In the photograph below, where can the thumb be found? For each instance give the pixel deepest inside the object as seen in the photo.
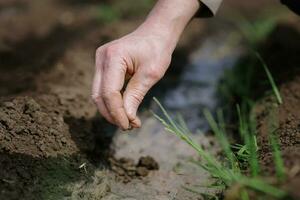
(134, 94)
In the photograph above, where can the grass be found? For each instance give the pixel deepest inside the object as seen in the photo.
(271, 79)
(241, 164)
(248, 151)
(229, 172)
(240, 168)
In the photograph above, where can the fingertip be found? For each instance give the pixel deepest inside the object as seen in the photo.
(136, 122)
(124, 125)
(121, 119)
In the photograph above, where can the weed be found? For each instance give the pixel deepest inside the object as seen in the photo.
(224, 174)
(271, 80)
(247, 133)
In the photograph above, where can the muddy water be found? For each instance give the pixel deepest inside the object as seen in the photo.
(198, 84)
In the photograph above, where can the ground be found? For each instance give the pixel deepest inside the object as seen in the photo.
(54, 145)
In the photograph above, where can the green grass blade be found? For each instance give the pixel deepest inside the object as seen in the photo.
(215, 167)
(262, 186)
(223, 174)
(271, 79)
(254, 161)
(241, 122)
(244, 194)
(232, 158)
(174, 128)
(247, 132)
(222, 138)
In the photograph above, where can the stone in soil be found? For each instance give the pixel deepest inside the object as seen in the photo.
(126, 169)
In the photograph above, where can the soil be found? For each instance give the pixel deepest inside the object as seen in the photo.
(283, 120)
(48, 127)
(126, 169)
(28, 128)
(53, 145)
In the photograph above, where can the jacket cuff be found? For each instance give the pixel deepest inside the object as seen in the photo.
(208, 8)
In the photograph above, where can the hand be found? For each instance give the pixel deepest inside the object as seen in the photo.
(142, 57)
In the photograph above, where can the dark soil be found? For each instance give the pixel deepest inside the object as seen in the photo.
(29, 128)
(287, 129)
(48, 125)
(41, 146)
(37, 150)
(283, 120)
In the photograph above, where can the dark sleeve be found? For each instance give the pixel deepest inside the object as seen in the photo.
(294, 5)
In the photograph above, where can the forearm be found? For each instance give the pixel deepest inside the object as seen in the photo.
(169, 18)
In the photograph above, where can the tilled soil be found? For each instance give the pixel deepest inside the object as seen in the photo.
(29, 128)
(48, 128)
(53, 145)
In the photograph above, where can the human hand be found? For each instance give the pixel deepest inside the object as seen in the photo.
(143, 56)
(140, 56)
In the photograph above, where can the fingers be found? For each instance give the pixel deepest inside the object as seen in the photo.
(135, 92)
(96, 90)
(102, 109)
(109, 79)
(112, 83)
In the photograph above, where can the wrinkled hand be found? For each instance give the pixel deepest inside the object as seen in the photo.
(140, 56)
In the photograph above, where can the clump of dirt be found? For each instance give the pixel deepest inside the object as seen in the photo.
(40, 151)
(43, 146)
(26, 127)
(126, 169)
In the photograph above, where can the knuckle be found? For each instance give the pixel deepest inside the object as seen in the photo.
(99, 51)
(106, 95)
(112, 51)
(154, 73)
